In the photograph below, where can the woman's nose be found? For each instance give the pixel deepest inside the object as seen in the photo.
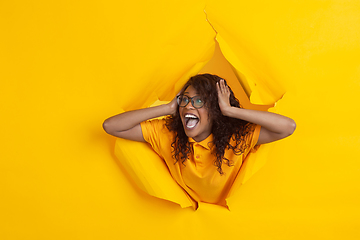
(189, 106)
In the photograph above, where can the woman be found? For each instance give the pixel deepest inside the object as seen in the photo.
(205, 126)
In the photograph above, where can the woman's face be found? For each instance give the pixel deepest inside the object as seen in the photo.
(196, 121)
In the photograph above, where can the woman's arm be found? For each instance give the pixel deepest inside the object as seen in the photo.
(127, 125)
(274, 126)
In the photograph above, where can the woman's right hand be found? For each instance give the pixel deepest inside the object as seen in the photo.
(173, 105)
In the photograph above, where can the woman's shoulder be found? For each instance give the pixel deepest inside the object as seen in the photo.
(245, 132)
(156, 123)
(245, 138)
(156, 127)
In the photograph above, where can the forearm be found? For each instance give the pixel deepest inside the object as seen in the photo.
(127, 120)
(271, 121)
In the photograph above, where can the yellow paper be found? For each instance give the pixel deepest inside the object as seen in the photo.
(66, 66)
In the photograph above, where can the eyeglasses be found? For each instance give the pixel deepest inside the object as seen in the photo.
(184, 100)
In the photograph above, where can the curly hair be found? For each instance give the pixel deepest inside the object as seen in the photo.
(223, 128)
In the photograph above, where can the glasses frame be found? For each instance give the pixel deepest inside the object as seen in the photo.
(191, 100)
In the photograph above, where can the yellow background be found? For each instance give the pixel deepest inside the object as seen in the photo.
(66, 66)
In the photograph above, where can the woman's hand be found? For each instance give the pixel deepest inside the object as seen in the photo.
(173, 105)
(223, 96)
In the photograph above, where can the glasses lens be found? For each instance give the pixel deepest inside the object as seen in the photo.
(198, 102)
(183, 100)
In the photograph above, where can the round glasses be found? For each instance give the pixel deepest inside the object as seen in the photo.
(184, 100)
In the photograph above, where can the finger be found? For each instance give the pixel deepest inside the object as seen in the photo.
(223, 86)
(218, 88)
(226, 87)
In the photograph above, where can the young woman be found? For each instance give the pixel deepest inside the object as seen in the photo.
(205, 137)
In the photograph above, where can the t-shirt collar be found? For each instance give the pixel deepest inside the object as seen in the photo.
(206, 143)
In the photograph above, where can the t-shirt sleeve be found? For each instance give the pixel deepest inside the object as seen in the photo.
(153, 131)
(255, 138)
(249, 141)
(252, 139)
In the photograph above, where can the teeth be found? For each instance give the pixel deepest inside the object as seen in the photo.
(190, 116)
(191, 120)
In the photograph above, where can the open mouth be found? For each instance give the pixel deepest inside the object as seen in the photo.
(191, 120)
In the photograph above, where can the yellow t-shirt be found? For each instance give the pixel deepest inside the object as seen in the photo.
(199, 176)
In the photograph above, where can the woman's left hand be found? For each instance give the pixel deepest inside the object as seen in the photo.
(223, 96)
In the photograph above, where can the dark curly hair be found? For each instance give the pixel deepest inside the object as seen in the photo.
(223, 129)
